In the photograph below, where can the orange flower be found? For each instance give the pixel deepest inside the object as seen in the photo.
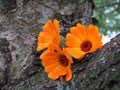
(57, 63)
(83, 40)
(49, 35)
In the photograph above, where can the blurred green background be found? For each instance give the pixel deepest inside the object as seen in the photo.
(107, 12)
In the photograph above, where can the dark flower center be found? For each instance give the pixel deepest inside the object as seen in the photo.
(63, 60)
(86, 46)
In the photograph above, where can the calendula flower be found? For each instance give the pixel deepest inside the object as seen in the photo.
(50, 34)
(57, 62)
(83, 40)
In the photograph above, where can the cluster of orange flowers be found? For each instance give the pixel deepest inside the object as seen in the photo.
(57, 58)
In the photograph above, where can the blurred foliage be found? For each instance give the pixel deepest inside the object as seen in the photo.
(107, 12)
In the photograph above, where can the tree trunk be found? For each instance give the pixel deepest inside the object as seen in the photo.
(20, 67)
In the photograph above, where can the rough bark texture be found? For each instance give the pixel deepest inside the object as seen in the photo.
(20, 67)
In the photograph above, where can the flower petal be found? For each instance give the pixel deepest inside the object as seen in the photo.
(67, 56)
(56, 25)
(51, 67)
(44, 37)
(82, 30)
(72, 41)
(96, 45)
(93, 29)
(49, 60)
(92, 32)
(51, 28)
(44, 53)
(42, 46)
(55, 48)
(43, 41)
(55, 73)
(76, 52)
(77, 33)
(69, 74)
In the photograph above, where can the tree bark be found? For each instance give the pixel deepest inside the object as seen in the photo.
(20, 67)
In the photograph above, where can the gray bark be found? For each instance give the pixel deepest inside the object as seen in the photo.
(20, 67)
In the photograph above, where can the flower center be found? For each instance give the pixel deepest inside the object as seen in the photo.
(86, 46)
(63, 60)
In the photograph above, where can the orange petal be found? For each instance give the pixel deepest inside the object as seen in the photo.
(96, 38)
(51, 67)
(83, 30)
(63, 70)
(44, 37)
(97, 43)
(56, 48)
(67, 55)
(44, 54)
(43, 41)
(93, 29)
(96, 46)
(42, 46)
(49, 60)
(55, 73)
(48, 53)
(92, 32)
(69, 74)
(76, 52)
(72, 41)
(77, 33)
(50, 28)
(56, 25)
(61, 77)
